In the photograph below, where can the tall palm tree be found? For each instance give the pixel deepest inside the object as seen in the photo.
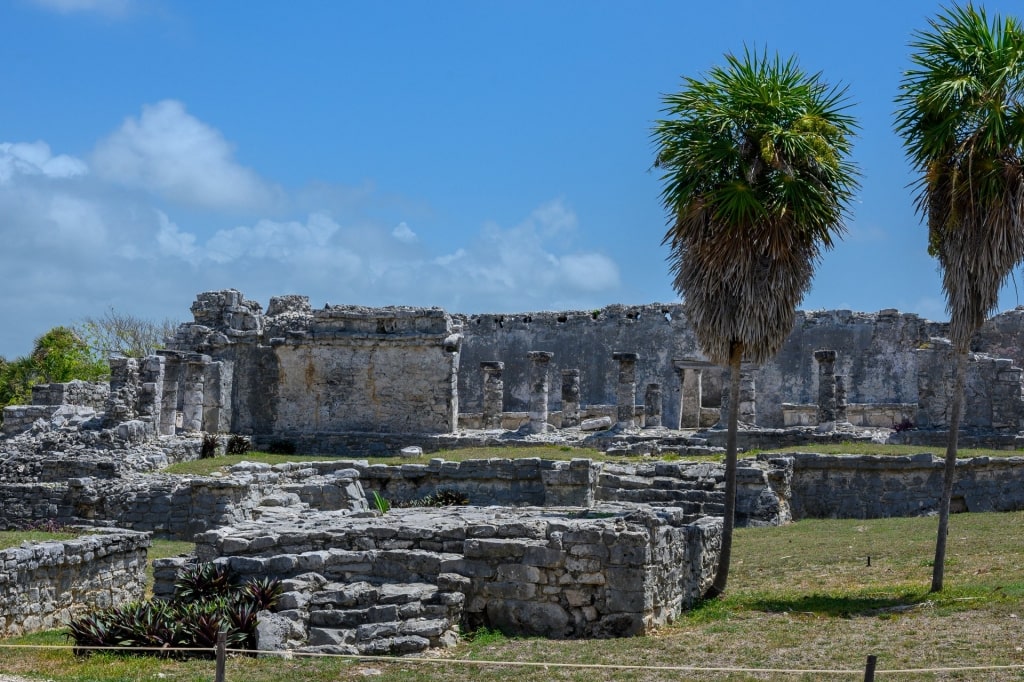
(757, 181)
(961, 116)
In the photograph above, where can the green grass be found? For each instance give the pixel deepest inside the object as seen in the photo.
(205, 467)
(13, 538)
(864, 448)
(801, 596)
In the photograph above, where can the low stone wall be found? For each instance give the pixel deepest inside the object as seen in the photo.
(175, 506)
(697, 488)
(614, 570)
(882, 415)
(762, 495)
(867, 487)
(44, 584)
(62, 404)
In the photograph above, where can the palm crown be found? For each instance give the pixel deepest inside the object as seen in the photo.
(757, 181)
(961, 116)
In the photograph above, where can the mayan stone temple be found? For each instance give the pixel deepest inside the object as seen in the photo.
(556, 548)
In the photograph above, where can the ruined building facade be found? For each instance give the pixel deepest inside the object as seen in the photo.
(295, 372)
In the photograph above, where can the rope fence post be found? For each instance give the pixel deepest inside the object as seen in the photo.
(222, 654)
(869, 671)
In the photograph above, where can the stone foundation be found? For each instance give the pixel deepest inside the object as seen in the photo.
(614, 570)
(868, 487)
(45, 584)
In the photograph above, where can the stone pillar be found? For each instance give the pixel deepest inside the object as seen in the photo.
(151, 394)
(194, 388)
(652, 406)
(570, 398)
(748, 399)
(122, 401)
(625, 394)
(723, 412)
(217, 386)
(841, 404)
(691, 396)
(539, 390)
(826, 388)
(494, 393)
(170, 407)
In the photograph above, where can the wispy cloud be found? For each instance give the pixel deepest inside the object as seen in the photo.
(171, 153)
(152, 217)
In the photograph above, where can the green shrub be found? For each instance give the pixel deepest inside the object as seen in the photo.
(208, 599)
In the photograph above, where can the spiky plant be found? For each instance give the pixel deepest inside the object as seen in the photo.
(961, 116)
(200, 581)
(757, 181)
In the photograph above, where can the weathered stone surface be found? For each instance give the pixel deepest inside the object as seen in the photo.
(44, 584)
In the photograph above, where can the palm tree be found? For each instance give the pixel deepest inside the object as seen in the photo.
(961, 116)
(756, 183)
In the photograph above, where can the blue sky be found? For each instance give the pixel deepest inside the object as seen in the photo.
(479, 156)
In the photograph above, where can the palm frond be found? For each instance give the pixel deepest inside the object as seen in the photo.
(757, 181)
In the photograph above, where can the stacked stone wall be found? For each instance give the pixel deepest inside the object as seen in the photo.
(614, 570)
(762, 496)
(874, 351)
(171, 505)
(867, 487)
(45, 584)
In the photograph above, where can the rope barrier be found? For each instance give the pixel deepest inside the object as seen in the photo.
(392, 660)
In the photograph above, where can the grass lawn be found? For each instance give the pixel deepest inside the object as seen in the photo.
(205, 467)
(801, 596)
(13, 538)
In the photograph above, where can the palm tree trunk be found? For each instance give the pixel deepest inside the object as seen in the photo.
(729, 516)
(956, 410)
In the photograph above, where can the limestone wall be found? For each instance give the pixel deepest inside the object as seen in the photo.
(175, 506)
(875, 352)
(867, 487)
(297, 373)
(762, 495)
(696, 488)
(612, 571)
(44, 584)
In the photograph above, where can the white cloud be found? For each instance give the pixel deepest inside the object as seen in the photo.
(175, 155)
(35, 158)
(79, 238)
(589, 272)
(111, 8)
(403, 234)
(172, 241)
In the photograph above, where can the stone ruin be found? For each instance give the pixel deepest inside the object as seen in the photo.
(561, 549)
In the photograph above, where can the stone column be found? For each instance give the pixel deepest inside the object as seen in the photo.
(151, 394)
(169, 404)
(122, 401)
(192, 398)
(748, 399)
(652, 406)
(723, 412)
(690, 393)
(625, 394)
(826, 388)
(570, 398)
(539, 390)
(841, 404)
(494, 393)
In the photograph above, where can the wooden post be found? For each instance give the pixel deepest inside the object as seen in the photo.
(222, 646)
(869, 671)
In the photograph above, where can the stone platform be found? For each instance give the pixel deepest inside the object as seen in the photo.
(615, 569)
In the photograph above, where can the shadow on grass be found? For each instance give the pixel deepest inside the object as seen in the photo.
(841, 607)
